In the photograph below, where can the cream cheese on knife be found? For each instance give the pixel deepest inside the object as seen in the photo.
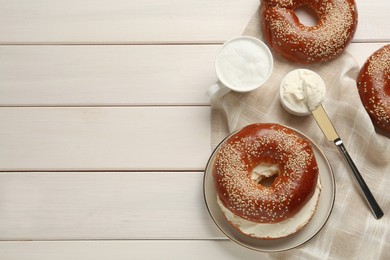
(302, 91)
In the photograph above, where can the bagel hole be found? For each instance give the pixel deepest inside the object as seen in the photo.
(306, 16)
(265, 174)
(268, 181)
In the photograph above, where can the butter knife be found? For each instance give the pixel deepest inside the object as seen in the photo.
(329, 131)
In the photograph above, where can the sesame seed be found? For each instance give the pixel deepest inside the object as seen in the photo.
(237, 158)
(374, 87)
(308, 44)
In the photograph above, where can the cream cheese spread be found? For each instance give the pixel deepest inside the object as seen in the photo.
(275, 230)
(302, 91)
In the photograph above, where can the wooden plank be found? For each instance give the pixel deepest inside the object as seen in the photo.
(114, 75)
(98, 138)
(100, 205)
(373, 21)
(106, 75)
(101, 21)
(124, 250)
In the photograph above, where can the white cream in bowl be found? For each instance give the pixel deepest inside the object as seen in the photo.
(302, 91)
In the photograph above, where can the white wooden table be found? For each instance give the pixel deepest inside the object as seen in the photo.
(104, 124)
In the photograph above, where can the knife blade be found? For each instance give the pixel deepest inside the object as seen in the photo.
(330, 133)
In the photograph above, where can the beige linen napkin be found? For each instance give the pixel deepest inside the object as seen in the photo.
(351, 231)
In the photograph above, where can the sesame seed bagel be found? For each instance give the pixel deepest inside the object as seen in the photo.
(373, 84)
(255, 153)
(337, 22)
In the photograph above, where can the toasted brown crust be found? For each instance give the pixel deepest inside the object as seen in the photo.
(373, 85)
(337, 22)
(265, 143)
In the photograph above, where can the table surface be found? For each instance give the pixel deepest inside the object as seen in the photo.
(105, 124)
